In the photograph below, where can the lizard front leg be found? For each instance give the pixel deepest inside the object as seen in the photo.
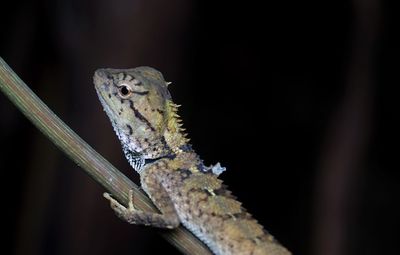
(167, 219)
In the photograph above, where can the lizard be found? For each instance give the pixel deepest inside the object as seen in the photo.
(146, 121)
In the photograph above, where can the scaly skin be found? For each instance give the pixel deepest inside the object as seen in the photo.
(145, 119)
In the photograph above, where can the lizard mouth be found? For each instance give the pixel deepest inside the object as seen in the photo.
(110, 113)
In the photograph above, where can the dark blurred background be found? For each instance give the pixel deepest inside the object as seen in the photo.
(297, 99)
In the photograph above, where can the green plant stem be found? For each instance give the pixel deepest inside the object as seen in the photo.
(85, 156)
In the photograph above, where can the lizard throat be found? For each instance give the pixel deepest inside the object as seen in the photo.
(138, 162)
(135, 159)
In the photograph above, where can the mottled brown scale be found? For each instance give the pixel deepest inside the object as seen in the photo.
(202, 181)
(219, 218)
(172, 174)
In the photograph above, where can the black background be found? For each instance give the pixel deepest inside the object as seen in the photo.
(297, 99)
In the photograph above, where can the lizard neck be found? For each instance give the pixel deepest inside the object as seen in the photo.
(171, 144)
(185, 159)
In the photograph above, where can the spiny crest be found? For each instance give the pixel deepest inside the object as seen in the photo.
(174, 123)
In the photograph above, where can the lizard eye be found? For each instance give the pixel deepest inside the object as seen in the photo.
(124, 91)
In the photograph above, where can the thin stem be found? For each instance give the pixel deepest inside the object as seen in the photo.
(85, 156)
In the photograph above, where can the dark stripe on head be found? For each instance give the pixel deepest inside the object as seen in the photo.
(140, 116)
(140, 93)
(130, 129)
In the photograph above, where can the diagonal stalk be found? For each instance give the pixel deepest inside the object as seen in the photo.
(85, 156)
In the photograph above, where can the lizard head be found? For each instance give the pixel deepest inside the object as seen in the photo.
(140, 109)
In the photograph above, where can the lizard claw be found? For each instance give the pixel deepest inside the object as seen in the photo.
(120, 209)
(107, 196)
(115, 205)
(129, 213)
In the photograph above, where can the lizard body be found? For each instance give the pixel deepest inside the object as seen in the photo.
(185, 191)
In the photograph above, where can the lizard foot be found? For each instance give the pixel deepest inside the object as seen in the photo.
(122, 211)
